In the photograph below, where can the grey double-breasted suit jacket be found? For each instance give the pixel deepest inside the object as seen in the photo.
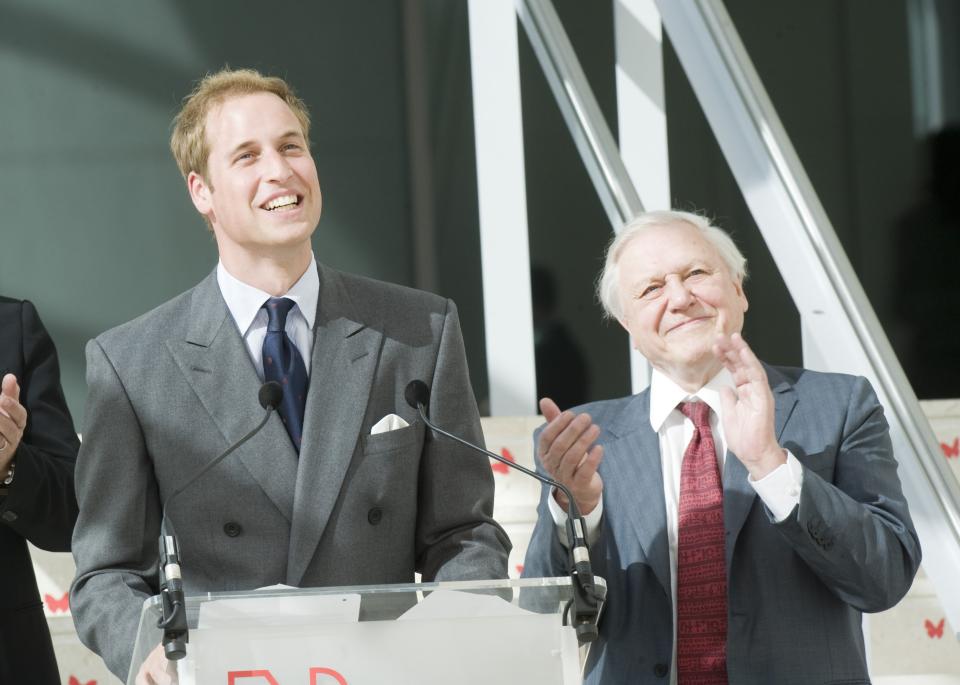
(796, 589)
(172, 389)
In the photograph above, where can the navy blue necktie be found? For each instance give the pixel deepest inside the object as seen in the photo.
(282, 363)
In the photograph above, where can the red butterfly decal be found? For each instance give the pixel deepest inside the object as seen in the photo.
(934, 631)
(74, 681)
(951, 450)
(498, 467)
(55, 605)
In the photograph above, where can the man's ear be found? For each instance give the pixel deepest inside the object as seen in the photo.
(738, 284)
(623, 322)
(200, 192)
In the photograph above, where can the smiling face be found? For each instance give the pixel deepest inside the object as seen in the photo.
(677, 294)
(261, 193)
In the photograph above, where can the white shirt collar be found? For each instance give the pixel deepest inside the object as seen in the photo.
(244, 301)
(665, 395)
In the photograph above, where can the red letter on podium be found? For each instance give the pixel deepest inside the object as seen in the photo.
(233, 676)
(316, 672)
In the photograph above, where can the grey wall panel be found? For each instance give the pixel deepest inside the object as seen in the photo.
(96, 224)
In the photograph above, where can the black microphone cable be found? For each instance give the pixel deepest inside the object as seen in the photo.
(587, 595)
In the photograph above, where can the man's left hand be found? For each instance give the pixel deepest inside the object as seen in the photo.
(13, 419)
(748, 413)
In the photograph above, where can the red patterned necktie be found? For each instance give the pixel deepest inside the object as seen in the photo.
(701, 565)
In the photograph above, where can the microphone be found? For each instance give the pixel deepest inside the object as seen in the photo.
(173, 621)
(587, 595)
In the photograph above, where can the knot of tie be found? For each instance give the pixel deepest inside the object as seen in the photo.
(277, 310)
(698, 412)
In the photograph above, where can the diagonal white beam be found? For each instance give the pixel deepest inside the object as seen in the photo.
(834, 309)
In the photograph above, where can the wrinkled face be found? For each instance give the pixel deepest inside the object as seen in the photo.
(677, 295)
(262, 194)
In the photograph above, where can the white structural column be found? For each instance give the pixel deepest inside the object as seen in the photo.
(641, 118)
(501, 189)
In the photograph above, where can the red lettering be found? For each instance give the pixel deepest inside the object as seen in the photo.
(316, 672)
(233, 676)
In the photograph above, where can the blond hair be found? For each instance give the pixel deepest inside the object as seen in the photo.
(189, 143)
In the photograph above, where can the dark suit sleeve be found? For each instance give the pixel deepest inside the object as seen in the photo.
(852, 526)
(41, 505)
(457, 537)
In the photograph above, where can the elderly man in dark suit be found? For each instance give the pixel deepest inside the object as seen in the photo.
(743, 515)
(343, 486)
(38, 449)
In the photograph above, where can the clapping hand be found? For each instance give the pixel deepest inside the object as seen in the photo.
(569, 456)
(13, 420)
(748, 412)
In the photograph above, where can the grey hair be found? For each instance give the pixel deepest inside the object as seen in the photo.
(608, 284)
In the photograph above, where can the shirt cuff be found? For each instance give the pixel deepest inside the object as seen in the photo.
(780, 489)
(591, 521)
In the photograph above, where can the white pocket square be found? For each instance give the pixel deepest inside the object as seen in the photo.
(390, 422)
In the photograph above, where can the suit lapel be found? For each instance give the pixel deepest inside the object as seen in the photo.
(738, 494)
(345, 353)
(214, 360)
(634, 469)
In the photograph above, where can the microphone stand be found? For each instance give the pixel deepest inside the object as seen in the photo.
(173, 620)
(587, 595)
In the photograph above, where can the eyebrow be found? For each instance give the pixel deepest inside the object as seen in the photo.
(646, 279)
(292, 133)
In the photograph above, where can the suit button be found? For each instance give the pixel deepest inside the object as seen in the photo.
(9, 516)
(661, 670)
(232, 529)
(374, 516)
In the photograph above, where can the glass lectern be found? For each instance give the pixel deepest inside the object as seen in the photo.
(469, 632)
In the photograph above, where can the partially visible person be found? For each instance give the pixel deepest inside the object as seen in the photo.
(745, 516)
(560, 365)
(926, 290)
(38, 449)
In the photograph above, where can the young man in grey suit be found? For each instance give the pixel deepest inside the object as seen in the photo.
(321, 496)
(743, 515)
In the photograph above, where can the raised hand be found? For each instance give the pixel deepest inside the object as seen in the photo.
(748, 413)
(568, 454)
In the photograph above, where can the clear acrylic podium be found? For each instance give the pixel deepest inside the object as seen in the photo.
(468, 632)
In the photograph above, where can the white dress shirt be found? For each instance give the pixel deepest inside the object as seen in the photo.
(779, 490)
(245, 304)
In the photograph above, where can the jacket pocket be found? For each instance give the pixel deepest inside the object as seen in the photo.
(392, 440)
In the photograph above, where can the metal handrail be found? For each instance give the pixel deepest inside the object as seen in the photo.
(580, 110)
(836, 266)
